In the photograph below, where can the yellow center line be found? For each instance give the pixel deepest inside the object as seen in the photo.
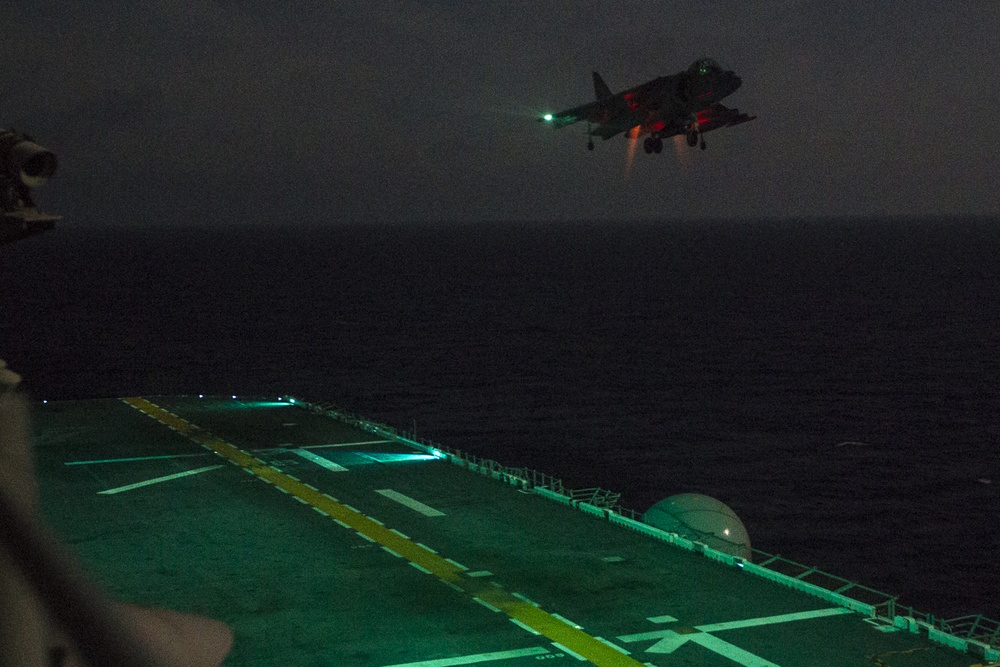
(537, 619)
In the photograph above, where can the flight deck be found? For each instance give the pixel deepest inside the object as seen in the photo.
(324, 539)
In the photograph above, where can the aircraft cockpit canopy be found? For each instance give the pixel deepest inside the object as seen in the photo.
(704, 66)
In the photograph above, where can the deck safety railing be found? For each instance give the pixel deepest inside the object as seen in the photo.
(983, 634)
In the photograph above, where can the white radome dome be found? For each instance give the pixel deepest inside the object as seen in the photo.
(702, 518)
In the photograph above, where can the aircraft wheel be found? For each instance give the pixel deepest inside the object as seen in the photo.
(658, 145)
(692, 138)
(648, 145)
(703, 146)
(590, 145)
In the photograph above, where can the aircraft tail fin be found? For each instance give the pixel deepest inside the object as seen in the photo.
(601, 89)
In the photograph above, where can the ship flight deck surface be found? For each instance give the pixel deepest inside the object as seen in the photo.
(326, 541)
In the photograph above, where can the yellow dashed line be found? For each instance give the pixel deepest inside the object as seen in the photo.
(424, 558)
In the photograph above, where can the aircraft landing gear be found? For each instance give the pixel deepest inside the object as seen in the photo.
(703, 147)
(692, 138)
(590, 145)
(653, 145)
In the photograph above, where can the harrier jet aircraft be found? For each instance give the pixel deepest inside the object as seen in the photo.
(684, 103)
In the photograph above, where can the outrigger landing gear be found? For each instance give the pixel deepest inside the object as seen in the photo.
(692, 138)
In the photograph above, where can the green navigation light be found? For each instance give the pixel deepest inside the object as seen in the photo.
(547, 117)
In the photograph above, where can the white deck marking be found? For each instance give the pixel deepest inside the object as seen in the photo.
(524, 626)
(661, 619)
(479, 657)
(415, 505)
(479, 573)
(487, 605)
(456, 564)
(734, 653)
(346, 444)
(134, 458)
(319, 460)
(526, 599)
(612, 645)
(770, 620)
(567, 651)
(566, 621)
(157, 480)
(669, 640)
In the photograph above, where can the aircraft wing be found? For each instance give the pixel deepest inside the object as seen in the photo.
(595, 112)
(719, 115)
(611, 114)
(610, 117)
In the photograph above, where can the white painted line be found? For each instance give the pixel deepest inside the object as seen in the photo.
(479, 573)
(309, 486)
(366, 537)
(157, 480)
(486, 604)
(319, 460)
(331, 497)
(419, 544)
(387, 549)
(341, 523)
(422, 569)
(734, 653)
(304, 502)
(567, 651)
(526, 599)
(293, 477)
(613, 559)
(661, 619)
(477, 658)
(770, 620)
(567, 621)
(134, 458)
(415, 505)
(374, 520)
(346, 444)
(612, 645)
(455, 586)
(352, 508)
(320, 511)
(524, 626)
(393, 530)
(456, 564)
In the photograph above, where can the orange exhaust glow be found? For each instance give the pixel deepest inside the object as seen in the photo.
(633, 136)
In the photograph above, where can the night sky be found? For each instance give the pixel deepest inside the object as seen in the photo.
(237, 112)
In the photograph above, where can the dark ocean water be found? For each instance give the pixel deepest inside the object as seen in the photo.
(834, 382)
